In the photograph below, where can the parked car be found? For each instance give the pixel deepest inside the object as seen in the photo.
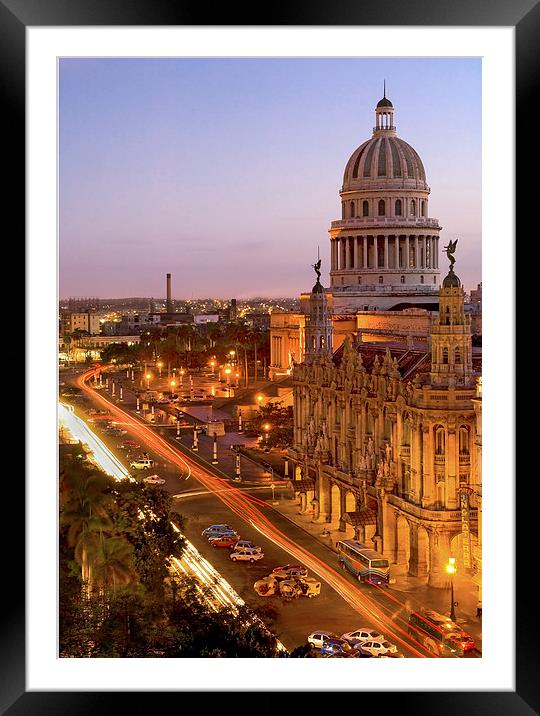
(317, 638)
(218, 529)
(154, 480)
(246, 555)
(376, 647)
(129, 445)
(293, 570)
(246, 544)
(229, 539)
(143, 463)
(116, 432)
(335, 646)
(359, 635)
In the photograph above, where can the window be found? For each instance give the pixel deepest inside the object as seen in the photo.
(398, 207)
(445, 356)
(434, 279)
(463, 441)
(423, 208)
(359, 279)
(439, 441)
(382, 207)
(380, 279)
(413, 207)
(365, 208)
(421, 279)
(352, 210)
(457, 356)
(402, 279)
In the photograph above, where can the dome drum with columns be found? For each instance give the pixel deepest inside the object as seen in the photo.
(385, 244)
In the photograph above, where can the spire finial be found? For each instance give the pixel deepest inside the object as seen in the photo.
(384, 88)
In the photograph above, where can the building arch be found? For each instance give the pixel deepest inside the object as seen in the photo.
(365, 208)
(353, 212)
(398, 208)
(382, 207)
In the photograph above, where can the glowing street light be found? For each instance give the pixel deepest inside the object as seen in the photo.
(182, 371)
(212, 365)
(160, 366)
(228, 374)
(451, 569)
(172, 384)
(266, 431)
(148, 377)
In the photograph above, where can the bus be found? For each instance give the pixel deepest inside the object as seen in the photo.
(366, 564)
(439, 634)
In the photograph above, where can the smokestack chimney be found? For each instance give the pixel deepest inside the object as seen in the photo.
(169, 296)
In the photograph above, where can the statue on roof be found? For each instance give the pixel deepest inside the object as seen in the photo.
(450, 250)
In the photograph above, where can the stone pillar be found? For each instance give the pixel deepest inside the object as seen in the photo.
(436, 252)
(365, 256)
(375, 251)
(417, 560)
(452, 470)
(439, 551)
(388, 529)
(356, 252)
(416, 262)
(407, 253)
(428, 486)
(386, 265)
(416, 436)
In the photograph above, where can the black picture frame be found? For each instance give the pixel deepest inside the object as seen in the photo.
(15, 17)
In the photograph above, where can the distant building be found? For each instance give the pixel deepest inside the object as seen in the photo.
(259, 321)
(233, 310)
(206, 318)
(476, 295)
(87, 321)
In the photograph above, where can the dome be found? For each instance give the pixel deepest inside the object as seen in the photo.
(384, 158)
(318, 288)
(384, 102)
(451, 281)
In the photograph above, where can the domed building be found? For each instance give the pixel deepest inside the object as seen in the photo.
(385, 247)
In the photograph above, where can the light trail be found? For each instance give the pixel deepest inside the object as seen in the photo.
(246, 507)
(99, 454)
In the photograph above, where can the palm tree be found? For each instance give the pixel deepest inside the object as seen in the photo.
(114, 565)
(84, 511)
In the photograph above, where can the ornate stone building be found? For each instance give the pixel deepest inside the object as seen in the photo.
(387, 442)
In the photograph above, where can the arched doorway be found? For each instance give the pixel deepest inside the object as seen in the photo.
(350, 506)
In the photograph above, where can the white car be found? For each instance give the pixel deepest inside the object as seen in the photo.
(246, 544)
(359, 635)
(376, 647)
(246, 555)
(154, 480)
(142, 463)
(317, 638)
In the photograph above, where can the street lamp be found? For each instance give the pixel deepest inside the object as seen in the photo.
(259, 400)
(181, 375)
(148, 376)
(160, 366)
(212, 365)
(228, 374)
(451, 569)
(266, 431)
(173, 385)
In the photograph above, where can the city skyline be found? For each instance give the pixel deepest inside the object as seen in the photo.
(209, 169)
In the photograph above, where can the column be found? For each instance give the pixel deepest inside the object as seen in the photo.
(356, 240)
(364, 257)
(422, 262)
(416, 253)
(452, 464)
(436, 252)
(375, 251)
(407, 253)
(428, 251)
(428, 483)
(386, 265)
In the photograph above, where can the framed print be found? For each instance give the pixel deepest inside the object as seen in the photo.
(197, 168)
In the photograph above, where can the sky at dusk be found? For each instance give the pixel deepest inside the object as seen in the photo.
(226, 172)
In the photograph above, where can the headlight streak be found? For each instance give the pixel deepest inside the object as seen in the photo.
(244, 506)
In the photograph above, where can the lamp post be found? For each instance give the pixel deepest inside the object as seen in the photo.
(228, 374)
(451, 569)
(195, 446)
(160, 366)
(214, 454)
(266, 431)
(212, 365)
(181, 375)
(148, 376)
(240, 429)
(259, 400)
(173, 385)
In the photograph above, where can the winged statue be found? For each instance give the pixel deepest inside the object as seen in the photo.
(317, 268)
(450, 249)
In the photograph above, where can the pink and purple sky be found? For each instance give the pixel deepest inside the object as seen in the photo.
(226, 172)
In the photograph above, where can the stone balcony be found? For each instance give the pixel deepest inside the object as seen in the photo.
(389, 222)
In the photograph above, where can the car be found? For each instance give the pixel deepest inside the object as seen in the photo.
(142, 463)
(154, 480)
(317, 638)
(229, 539)
(359, 635)
(116, 432)
(376, 647)
(246, 555)
(162, 401)
(293, 570)
(129, 445)
(335, 646)
(220, 529)
(221, 533)
(246, 544)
